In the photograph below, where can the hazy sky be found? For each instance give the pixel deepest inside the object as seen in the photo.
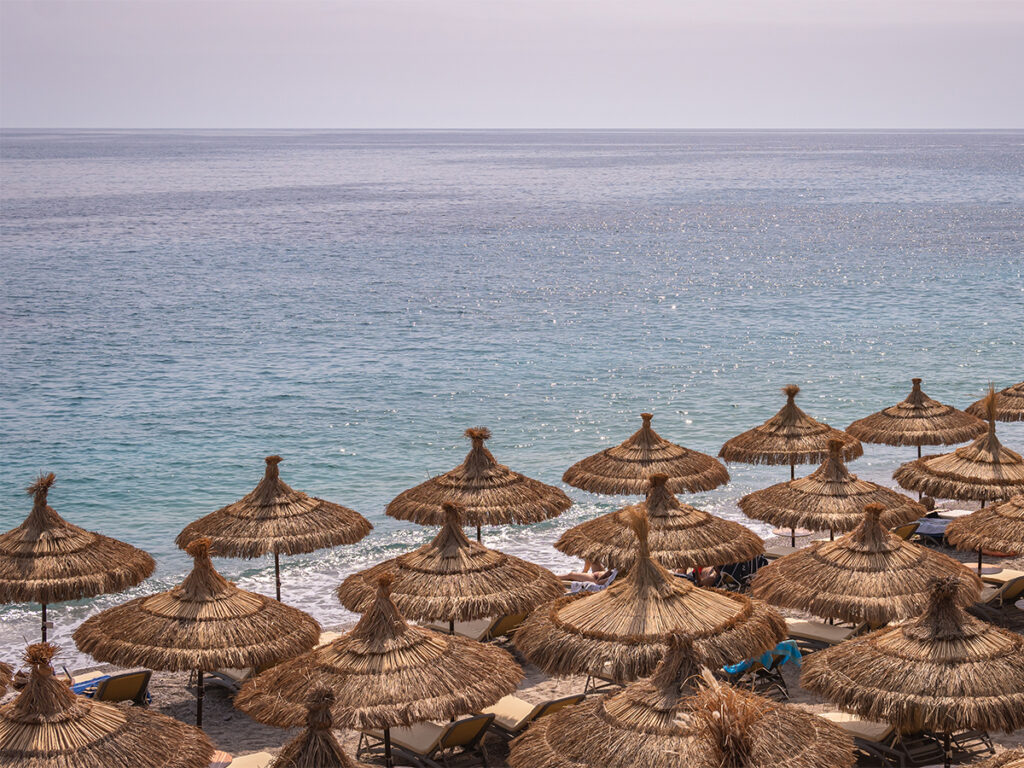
(512, 63)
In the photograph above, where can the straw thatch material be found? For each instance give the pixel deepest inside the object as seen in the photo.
(489, 492)
(731, 728)
(6, 677)
(985, 470)
(48, 560)
(831, 498)
(637, 726)
(681, 536)
(48, 726)
(316, 746)
(999, 528)
(627, 625)
(1009, 404)
(454, 579)
(206, 622)
(276, 518)
(943, 671)
(384, 673)
(1014, 758)
(917, 420)
(868, 575)
(626, 468)
(789, 437)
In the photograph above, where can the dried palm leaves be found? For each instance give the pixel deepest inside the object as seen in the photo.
(490, 493)
(789, 437)
(999, 528)
(454, 579)
(625, 469)
(868, 575)
(680, 536)
(6, 677)
(622, 631)
(1014, 758)
(48, 560)
(831, 498)
(275, 518)
(1009, 404)
(985, 470)
(48, 726)
(943, 671)
(316, 746)
(917, 420)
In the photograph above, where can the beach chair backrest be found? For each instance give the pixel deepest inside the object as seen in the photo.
(464, 733)
(1011, 591)
(506, 624)
(550, 707)
(906, 531)
(130, 686)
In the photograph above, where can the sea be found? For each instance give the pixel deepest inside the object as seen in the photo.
(176, 305)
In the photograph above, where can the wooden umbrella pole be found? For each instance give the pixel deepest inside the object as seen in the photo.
(831, 535)
(387, 749)
(478, 533)
(979, 561)
(200, 691)
(451, 626)
(277, 574)
(44, 621)
(948, 750)
(792, 537)
(792, 471)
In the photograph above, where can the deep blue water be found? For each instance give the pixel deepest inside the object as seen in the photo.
(177, 305)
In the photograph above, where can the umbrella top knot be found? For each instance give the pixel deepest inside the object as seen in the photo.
(791, 390)
(39, 655)
(40, 487)
(319, 705)
(835, 449)
(658, 481)
(647, 418)
(478, 434)
(199, 549)
(641, 526)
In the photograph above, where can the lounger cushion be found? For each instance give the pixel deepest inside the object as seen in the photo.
(511, 712)
(818, 631)
(420, 739)
(869, 730)
(255, 760)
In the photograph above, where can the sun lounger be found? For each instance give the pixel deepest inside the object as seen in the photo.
(234, 679)
(880, 742)
(815, 635)
(255, 760)
(1006, 595)
(483, 630)
(512, 714)
(602, 681)
(424, 743)
(906, 531)
(1002, 576)
(127, 686)
(221, 759)
(774, 553)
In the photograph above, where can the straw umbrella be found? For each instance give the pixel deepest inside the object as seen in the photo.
(276, 518)
(489, 492)
(868, 575)
(48, 726)
(983, 471)
(48, 560)
(454, 579)
(942, 671)
(1009, 404)
(917, 420)
(6, 677)
(660, 723)
(626, 468)
(830, 498)
(206, 622)
(999, 528)
(622, 631)
(316, 746)
(681, 536)
(637, 726)
(789, 437)
(1013, 758)
(383, 674)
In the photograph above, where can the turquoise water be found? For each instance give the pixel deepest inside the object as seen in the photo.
(176, 306)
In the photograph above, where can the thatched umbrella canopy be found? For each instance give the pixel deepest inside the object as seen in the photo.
(275, 518)
(789, 437)
(831, 498)
(48, 560)
(999, 528)
(316, 746)
(48, 726)
(870, 574)
(622, 631)
(489, 492)
(637, 726)
(917, 420)
(1013, 758)
(454, 579)
(206, 622)
(6, 677)
(1009, 404)
(681, 536)
(626, 468)
(384, 673)
(984, 471)
(732, 728)
(942, 671)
